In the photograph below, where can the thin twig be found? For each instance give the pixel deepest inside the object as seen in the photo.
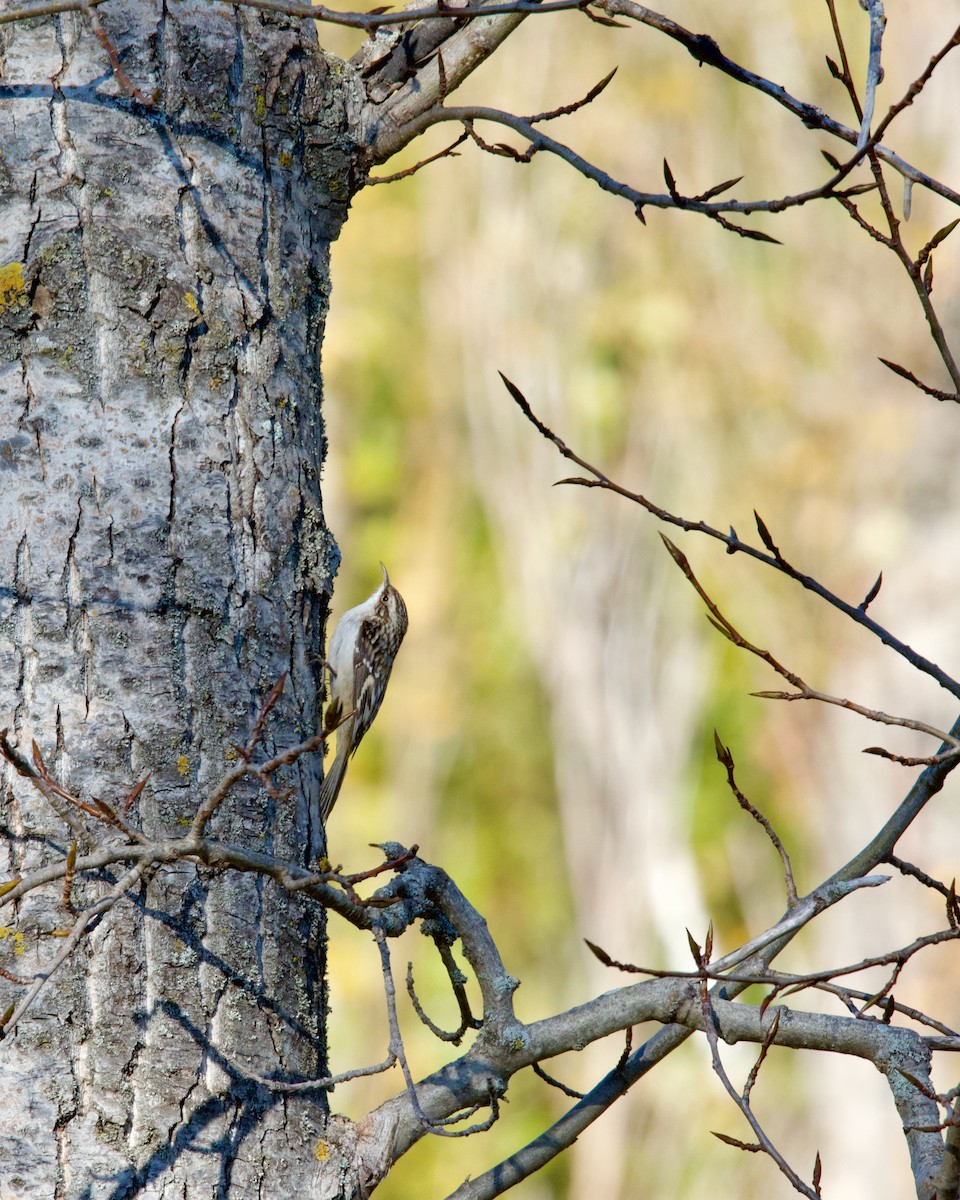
(566, 109)
(262, 771)
(539, 141)
(50, 8)
(915, 88)
(324, 1084)
(804, 691)
(907, 868)
(456, 1036)
(100, 810)
(784, 983)
(79, 929)
(449, 152)
(268, 705)
(437, 1128)
(936, 393)
(726, 760)
(843, 73)
(710, 1025)
(707, 52)
(23, 768)
(370, 21)
(733, 544)
(555, 1083)
(848, 995)
(129, 89)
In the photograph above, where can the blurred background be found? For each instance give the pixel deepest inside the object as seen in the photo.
(548, 733)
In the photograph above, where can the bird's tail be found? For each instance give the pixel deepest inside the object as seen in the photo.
(333, 779)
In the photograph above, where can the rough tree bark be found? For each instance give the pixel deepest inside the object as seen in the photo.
(164, 239)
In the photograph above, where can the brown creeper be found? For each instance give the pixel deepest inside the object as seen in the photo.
(360, 657)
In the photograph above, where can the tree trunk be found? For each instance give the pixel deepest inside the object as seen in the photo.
(164, 248)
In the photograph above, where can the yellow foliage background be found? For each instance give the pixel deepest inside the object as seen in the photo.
(548, 734)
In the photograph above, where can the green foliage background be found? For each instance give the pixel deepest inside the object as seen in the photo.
(716, 375)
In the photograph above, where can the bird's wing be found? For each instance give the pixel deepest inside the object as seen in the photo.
(372, 661)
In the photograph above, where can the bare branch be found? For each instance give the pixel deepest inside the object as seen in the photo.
(555, 1083)
(456, 1037)
(706, 52)
(912, 760)
(540, 141)
(843, 73)
(873, 1041)
(915, 88)
(726, 760)
(437, 1127)
(566, 109)
(391, 124)
(370, 21)
(128, 881)
(50, 8)
(936, 393)
(804, 691)
(734, 545)
(324, 1084)
(449, 152)
(742, 1100)
(262, 771)
(23, 768)
(908, 869)
(924, 1152)
(878, 22)
(921, 279)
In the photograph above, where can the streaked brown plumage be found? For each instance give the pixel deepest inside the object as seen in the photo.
(360, 657)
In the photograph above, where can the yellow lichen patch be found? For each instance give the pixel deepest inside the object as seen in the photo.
(191, 302)
(285, 159)
(183, 765)
(11, 286)
(7, 932)
(322, 1150)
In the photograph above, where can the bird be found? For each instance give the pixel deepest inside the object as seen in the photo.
(359, 658)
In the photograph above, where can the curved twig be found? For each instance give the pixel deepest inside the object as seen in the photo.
(735, 545)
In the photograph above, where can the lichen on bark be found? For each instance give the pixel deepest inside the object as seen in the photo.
(164, 281)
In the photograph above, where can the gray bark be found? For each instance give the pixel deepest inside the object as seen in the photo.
(164, 256)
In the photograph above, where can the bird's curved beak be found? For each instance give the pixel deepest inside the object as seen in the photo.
(386, 577)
